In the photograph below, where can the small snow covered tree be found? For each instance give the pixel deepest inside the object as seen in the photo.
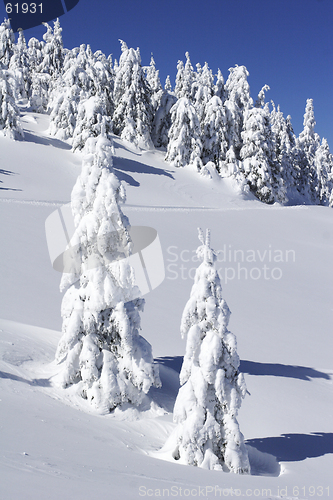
(100, 350)
(10, 124)
(324, 165)
(214, 134)
(35, 54)
(92, 121)
(162, 120)
(260, 167)
(133, 113)
(184, 78)
(208, 434)
(185, 147)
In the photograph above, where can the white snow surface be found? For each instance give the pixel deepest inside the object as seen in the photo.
(53, 445)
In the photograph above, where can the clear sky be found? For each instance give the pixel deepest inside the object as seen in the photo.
(287, 44)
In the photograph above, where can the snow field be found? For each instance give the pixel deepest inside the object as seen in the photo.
(54, 446)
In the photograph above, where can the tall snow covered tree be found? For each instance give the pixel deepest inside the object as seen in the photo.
(219, 87)
(153, 79)
(100, 350)
(202, 90)
(259, 166)
(133, 113)
(7, 40)
(212, 388)
(10, 124)
(308, 142)
(284, 148)
(19, 65)
(185, 147)
(53, 52)
(238, 101)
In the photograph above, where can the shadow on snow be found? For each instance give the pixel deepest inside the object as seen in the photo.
(7, 172)
(279, 370)
(128, 165)
(295, 447)
(36, 382)
(256, 368)
(46, 141)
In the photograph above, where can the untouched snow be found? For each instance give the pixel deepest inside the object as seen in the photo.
(54, 445)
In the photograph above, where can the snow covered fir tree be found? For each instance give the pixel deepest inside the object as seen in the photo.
(101, 351)
(202, 119)
(208, 434)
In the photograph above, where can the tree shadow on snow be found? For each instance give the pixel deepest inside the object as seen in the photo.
(7, 172)
(128, 165)
(126, 178)
(279, 370)
(34, 382)
(46, 141)
(295, 447)
(173, 362)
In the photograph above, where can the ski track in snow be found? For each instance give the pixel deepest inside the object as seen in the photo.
(153, 208)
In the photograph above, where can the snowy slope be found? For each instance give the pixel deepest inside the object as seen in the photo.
(278, 286)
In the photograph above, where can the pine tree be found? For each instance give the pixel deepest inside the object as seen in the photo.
(219, 88)
(184, 79)
(10, 124)
(202, 91)
(214, 136)
(260, 103)
(260, 167)
(284, 148)
(167, 85)
(238, 101)
(162, 120)
(324, 166)
(87, 78)
(184, 147)
(308, 142)
(19, 65)
(92, 121)
(7, 40)
(100, 350)
(207, 404)
(153, 80)
(53, 53)
(133, 114)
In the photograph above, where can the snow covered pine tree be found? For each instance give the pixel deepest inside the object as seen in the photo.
(206, 407)
(101, 350)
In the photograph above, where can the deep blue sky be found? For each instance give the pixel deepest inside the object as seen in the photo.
(287, 44)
